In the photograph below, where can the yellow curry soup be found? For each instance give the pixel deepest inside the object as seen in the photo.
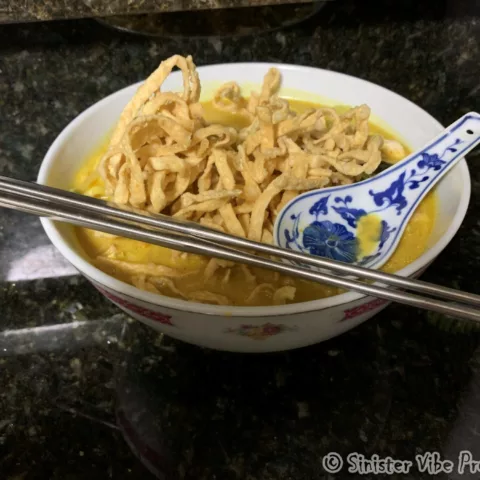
(196, 278)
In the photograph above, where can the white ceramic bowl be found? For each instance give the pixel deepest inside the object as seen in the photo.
(254, 329)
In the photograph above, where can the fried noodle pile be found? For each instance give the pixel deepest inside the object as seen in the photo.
(164, 157)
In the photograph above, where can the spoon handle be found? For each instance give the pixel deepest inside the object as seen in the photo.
(424, 168)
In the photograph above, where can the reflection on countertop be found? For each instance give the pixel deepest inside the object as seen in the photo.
(41, 10)
(26, 252)
(88, 393)
(62, 336)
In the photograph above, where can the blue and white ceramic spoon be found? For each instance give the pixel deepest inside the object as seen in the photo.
(332, 222)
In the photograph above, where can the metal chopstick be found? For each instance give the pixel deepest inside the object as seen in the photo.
(192, 229)
(195, 245)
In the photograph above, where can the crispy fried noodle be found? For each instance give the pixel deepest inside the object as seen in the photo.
(164, 157)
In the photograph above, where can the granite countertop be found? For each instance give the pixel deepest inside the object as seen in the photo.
(87, 393)
(39, 10)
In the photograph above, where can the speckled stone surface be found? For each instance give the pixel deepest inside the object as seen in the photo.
(40, 10)
(86, 393)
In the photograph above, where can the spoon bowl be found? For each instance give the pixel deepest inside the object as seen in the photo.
(363, 223)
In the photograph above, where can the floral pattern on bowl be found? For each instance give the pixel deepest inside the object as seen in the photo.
(144, 312)
(354, 312)
(261, 332)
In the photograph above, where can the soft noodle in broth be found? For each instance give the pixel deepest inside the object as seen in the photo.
(231, 164)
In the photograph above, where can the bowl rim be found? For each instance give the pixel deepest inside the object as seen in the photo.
(126, 289)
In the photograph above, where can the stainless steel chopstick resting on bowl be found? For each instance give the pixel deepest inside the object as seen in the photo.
(171, 224)
(193, 238)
